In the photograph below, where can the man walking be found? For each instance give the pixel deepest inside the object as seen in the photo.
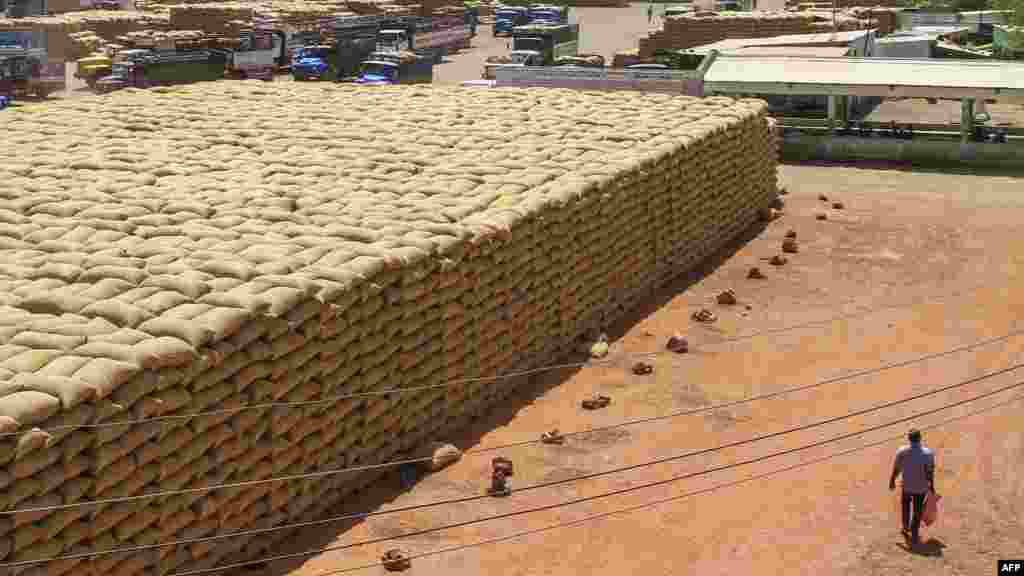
(917, 466)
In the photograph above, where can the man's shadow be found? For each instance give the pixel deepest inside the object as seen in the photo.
(931, 547)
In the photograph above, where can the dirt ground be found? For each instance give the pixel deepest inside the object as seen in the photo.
(941, 247)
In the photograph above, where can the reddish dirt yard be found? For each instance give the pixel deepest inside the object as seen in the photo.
(941, 247)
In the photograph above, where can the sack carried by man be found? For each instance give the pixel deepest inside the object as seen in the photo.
(931, 508)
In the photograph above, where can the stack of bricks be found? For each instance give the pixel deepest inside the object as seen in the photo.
(682, 32)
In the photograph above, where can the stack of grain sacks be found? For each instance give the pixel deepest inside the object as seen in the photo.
(103, 24)
(681, 32)
(213, 18)
(177, 259)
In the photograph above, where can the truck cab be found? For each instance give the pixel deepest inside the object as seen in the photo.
(312, 62)
(507, 18)
(378, 73)
(259, 54)
(393, 40)
(384, 68)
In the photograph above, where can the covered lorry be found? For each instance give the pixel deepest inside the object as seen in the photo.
(384, 68)
(508, 17)
(542, 44)
(165, 67)
(350, 41)
(437, 35)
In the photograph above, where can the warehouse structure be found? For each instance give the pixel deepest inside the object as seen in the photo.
(842, 79)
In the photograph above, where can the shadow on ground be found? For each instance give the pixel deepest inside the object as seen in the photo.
(527, 390)
(932, 548)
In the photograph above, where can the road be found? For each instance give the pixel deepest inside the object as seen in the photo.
(603, 31)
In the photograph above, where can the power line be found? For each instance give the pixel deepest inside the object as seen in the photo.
(595, 497)
(660, 501)
(495, 378)
(332, 472)
(524, 489)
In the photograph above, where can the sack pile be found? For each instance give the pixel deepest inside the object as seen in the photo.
(682, 32)
(208, 17)
(105, 24)
(82, 44)
(160, 38)
(208, 247)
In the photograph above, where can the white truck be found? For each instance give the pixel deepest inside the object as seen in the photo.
(259, 55)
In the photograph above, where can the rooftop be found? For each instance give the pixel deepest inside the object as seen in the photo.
(819, 51)
(893, 77)
(840, 38)
(930, 31)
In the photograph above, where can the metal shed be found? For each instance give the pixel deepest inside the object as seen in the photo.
(842, 78)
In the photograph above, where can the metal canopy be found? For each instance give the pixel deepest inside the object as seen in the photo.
(885, 77)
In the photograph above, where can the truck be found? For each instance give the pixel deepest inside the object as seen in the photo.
(165, 67)
(40, 75)
(351, 40)
(438, 35)
(259, 54)
(386, 68)
(508, 17)
(547, 14)
(542, 44)
(28, 72)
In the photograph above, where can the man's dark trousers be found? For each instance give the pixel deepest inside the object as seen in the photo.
(917, 500)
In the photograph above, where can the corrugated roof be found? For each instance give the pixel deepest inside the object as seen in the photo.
(819, 51)
(884, 75)
(843, 38)
(904, 39)
(930, 31)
